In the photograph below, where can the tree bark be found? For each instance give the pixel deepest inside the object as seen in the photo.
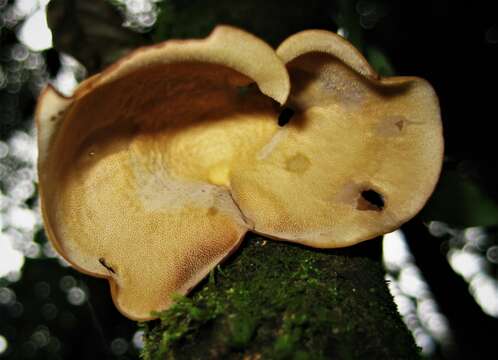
(274, 300)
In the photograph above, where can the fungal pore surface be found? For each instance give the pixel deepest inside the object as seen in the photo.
(153, 171)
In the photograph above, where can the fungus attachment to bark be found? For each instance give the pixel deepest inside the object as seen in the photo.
(153, 171)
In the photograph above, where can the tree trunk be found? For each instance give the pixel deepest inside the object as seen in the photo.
(274, 300)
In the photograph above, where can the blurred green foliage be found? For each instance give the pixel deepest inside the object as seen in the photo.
(460, 202)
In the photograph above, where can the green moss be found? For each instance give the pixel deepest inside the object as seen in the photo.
(274, 300)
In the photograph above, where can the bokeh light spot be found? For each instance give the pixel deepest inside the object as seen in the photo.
(7, 296)
(35, 33)
(3, 344)
(411, 293)
(138, 339)
(16, 310)
(19, 52)
(438, 228)
(49, 311)
(55, 345)
(492, 254)
(11, 260)
(119, 346)
(67, 282)
(28, 349)
(4, 148)
(76, 296)
(41, 336)
(32, 250)
(42, 289)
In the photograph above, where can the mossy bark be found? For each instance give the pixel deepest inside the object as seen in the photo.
(274, 300)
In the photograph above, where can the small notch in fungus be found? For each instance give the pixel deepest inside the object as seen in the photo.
(104, 264)
(400, 124)
(285, 116)
(370, 200)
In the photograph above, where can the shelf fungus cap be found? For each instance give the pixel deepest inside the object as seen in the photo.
(152, 172)
(133, 168)
(357, 155)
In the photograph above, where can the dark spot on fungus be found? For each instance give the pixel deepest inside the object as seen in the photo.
(298, 163)
(370, 200)
(212, 211)
(104, 264)
(391, 125)
(399, 124)
(285, 116)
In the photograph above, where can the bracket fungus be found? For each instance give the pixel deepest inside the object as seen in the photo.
(153, 171)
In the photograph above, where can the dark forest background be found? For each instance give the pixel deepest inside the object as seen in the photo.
(49, 311)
